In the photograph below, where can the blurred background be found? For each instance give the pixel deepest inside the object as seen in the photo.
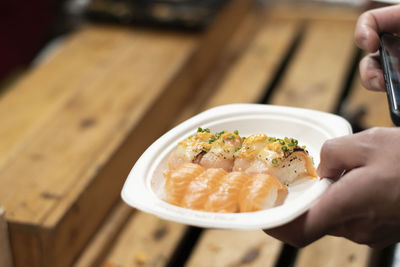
(42, 22)
(87, 85)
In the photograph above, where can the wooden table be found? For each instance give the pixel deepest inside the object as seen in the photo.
(74, 125)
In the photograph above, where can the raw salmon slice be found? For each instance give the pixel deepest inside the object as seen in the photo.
(177, 181)
(262, 191)
(201, 187)
(226, 197)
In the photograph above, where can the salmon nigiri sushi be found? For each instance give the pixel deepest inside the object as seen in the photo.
(201, 187)
(262, 191)
(177, 181)
(226, 197)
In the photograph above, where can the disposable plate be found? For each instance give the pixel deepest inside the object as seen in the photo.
(143, 188)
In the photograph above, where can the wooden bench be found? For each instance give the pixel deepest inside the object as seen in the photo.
(78, 122)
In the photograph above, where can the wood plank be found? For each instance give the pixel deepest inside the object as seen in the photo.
(251, 62)
(44, 187)
(315, 79)
(249, 77)
(258, 42)
(36, 97)
(332, 252)
(5, 251)
(102, 242)
(317, 71)
(366, 108)
(145, 241)
(245, 81)
(101, 128)
(235, 248)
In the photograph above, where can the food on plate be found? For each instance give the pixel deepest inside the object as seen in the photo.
(224, 172)
(199, 189)
(282, 158)
(177, 181)
(225, 197)
(261, 191)
(207, 149)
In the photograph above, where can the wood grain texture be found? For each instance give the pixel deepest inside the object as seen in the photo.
(315, 79)
(145, 241)
(96, 251)
(333, 251)
(44, 89)
(74, 167)
(235, 248)
(367, 108)
(44, 184)
(248, 79)
(5, 251)
(316, 74)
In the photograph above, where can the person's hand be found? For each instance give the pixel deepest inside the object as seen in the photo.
(363, 204)
(369, 25)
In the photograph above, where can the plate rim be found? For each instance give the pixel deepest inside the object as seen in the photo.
(151, 204)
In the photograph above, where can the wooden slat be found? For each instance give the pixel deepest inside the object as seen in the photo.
(245, 81)
(5, 252)
(366, 108)
(249, 77)
(100, 245)
(332, 252)
(268, 39)
(317, 71)
(57, 80)
(314, 79)
(145, 241)
(95, 132)
(235, 248)
(56, 168)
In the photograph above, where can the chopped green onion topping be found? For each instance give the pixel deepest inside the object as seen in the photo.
(238, 148)
(281, 142)
(284, 148)
(274, 161)
(271, 139)
(217, 135)
(236, 132)
(211, 140)
(303, 147)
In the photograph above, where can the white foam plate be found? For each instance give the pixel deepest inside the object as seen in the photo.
(143, 188)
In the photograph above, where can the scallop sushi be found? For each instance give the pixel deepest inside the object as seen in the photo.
(281, 158)
(207, 149)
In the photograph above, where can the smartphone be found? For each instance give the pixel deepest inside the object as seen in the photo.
(390, 60)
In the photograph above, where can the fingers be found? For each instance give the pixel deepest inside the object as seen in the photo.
(367, 32)
(335, 206)
(341, 154)
(371, 73)
(373, 22)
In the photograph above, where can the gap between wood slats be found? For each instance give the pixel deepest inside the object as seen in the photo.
(193, 234)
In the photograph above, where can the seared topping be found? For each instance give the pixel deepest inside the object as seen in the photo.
(230, 145)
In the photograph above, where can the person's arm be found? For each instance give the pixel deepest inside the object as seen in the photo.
(369, 25)
(363, 204)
